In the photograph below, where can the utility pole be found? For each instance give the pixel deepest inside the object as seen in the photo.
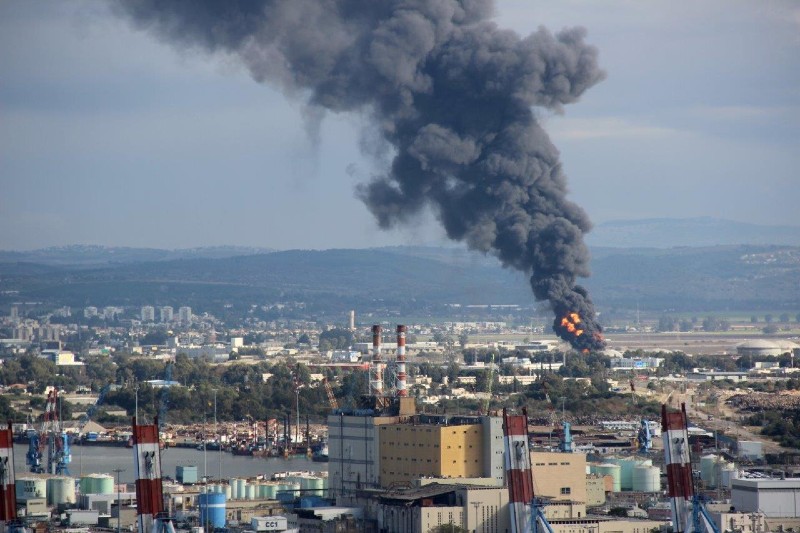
(119, 503)
(216, 434)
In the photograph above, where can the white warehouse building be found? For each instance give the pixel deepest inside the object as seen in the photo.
(776, 498)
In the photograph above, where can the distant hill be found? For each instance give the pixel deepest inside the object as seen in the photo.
(94, 255)
(704, 231)
(408, 279)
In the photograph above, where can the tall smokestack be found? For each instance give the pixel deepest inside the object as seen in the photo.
(401, 361)
(680, 487)
(376, 369)
(449, 94)
(519, 477)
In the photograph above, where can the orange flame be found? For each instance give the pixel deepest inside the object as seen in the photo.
(570, 323)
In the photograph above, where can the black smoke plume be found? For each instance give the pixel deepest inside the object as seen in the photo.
(449, 92)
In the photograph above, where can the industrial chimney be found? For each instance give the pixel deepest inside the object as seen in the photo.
(376, 368)
(401, 361)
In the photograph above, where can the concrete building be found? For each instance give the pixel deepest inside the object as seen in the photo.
(166, 314)
(148, 313)
(560, 476)
(185, 315)
(423, 509)
(441, 447)
(595, 491)
(776, 498)
(89, 312)
(370, 449)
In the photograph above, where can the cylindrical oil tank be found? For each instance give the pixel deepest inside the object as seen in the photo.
(30, 487)
(241, 488)
(250, 492)
(627, 464)
(728, 473)
(212, 510)
(228, 492)
(234, 488)
(609, 469)
(103, 484)
(625, 468)
(312, 486)
(269, 491)
(646, 478)
(708, 469)
(60, 490)
(85, 484)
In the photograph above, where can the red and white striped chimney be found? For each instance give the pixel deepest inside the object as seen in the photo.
(679, 467)
(376, 369)
(518, 470)
(149, 491)
(8, 494)
(401, 361)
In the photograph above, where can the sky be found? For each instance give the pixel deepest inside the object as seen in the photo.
(110, 137)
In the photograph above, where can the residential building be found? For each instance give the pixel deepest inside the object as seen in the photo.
(148, 313)
(166, 314)
(185, 315)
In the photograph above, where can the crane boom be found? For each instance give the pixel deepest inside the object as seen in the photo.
(331, 398)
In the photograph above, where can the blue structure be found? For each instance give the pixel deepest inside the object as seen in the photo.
(644, 437)
(212, 510)
(34, 456)
(566, 441)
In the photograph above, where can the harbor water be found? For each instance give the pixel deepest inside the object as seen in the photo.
(213, 464)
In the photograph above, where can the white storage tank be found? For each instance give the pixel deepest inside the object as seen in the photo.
(627, 464)
(234, 485)
(250, 492)
(609, 469)
(709, 465)
(241, 488)
(312, 485)
(96, 484)
(269, 490)
(60, 490)
(728, 473)
(30, 487)
(228, 492)
(646, 478)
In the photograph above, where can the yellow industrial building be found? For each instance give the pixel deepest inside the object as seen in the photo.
(409, 452)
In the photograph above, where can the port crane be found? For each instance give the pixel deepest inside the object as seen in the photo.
(689, 513)
(50, 439)
(527, 511)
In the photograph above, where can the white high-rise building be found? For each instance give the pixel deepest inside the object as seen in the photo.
(185, 315)
(148, 313)
(14, 314)
(89, 312)
(167, 314)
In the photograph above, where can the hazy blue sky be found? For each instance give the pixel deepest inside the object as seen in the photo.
(108, 136)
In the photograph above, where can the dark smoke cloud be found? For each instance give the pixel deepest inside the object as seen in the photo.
(449, 92)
